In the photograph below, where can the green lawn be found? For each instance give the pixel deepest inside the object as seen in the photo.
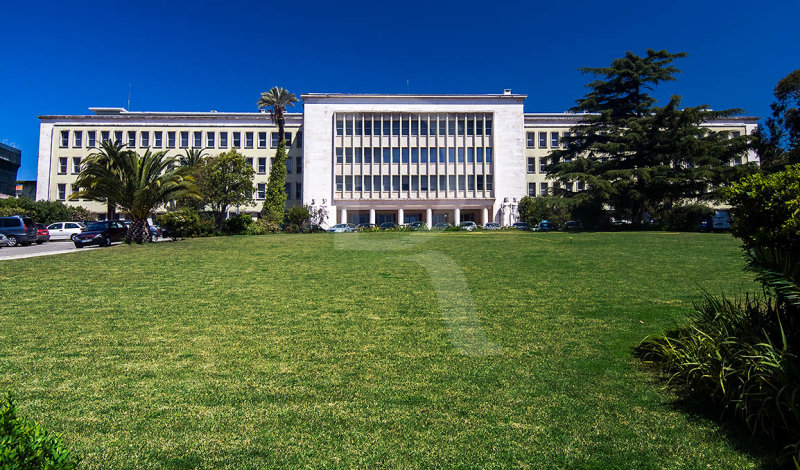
(313, 350)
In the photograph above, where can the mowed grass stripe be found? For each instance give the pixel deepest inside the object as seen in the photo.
(316, 351)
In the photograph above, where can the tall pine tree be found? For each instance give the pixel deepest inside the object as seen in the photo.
(276, 193)
(636, 157)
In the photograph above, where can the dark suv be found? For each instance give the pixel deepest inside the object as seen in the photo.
(101, 233)
(19, 230)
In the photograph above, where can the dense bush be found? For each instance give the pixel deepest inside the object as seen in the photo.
(27, 445)
(686, 217)
(237, 224)
(298, 215)
(261, 227)
(45, 212)
(554, 209)
(186, 222)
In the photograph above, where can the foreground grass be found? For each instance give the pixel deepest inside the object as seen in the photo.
(314, 350)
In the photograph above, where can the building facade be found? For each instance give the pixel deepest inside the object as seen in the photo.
(10, 159)
(366, 157)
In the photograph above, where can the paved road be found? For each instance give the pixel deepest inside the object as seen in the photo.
(46, 248)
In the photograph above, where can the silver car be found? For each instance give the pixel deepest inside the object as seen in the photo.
(4, 241)
(342, 228)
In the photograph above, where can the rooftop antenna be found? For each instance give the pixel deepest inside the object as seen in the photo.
(129, 97)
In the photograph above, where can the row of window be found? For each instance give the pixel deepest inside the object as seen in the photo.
(63, 165)
(199, 139)
(261, 191)
(398, 183)
(409, 124)
(554, 141)
(261, 169)
(544, 188)
(415, 155)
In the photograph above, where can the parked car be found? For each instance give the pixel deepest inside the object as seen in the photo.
(441, 226)
(545, 226)
(42, 234)
(101, 233)
(721, 220)
(365, 226)
(417, 226)
(4, 241)
(64, 230)
(573, 225)
(492, 226)
(387, 226)
(19, 230)
(706, 225)
(342, 228)
(521, 226)
(155, 232)
(468, 225)
(312, 228)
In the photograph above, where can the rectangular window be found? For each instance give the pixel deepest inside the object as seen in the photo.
(414, 182)
(451, 155)
(479, 127)
(396, 183)
(387, 127)
(367, 183)
(542, 189)
(77, 140)
(414, 155)
(376, 126)
(118, 136)
(442, 155)
(470, 155)
(359, 128)
(348, 183)
(461, 186)
(423, 127)
(339, 155)
(423, 155)
(299, 191)
(145, 139)
(387, 155)
(434, 180)
(157, 139)
(367, 128)
(395, 155)
(288, 166)
(76, 165)
(184, 139)
(368, 155)
(460, 155)
(405, 155)
(339, 183)
(543, 165)
(470, 182)
(237, 140)
(262, 191)
(64, 139)
(451, 127)
(470, 127)
(442, 127)
(62, 165)
(488, 130)
(250, 161)
(223, 140)
(405, 126)
(105, 136)
(262, 165)
(339, 127)
(287, 188)
(442, 183)
(460, 128)
(288, 137)
(451, 182)
(357, 156)
(91, 139)
(532, 189)
(530, 139)
(376, 183)
(348, 127)
(395, 127)
(554, 140)
(543, 140)
(211, 139)
(348, 155)
(171, 139)
(488, 155)
(274, 140)
(404, 186)
(198, 140)
(531, 164)
(248, 140)
(299, 164)
(357, 187)
(387, 183)
(415, 127)
(480, 182)
(262, 140)
(62, 192)
(479, 155)
(581, 186)
(488, 182)
(131, 138)
(423, 183)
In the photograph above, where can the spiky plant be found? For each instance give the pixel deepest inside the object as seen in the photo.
(191, 157)
(109, 153)
(276, 100)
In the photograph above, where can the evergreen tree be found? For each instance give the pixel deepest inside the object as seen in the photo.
(276, 192)
(778, 141)
(637, 157)
(224, 181)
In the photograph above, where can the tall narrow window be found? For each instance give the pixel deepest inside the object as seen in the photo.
(198, 140)
(395, 155)
(91, 139)
(64, 139)
(299, 193)
(460, 155)
(223, 140)
(543, 140)
(405, 155)
(184, 139)
(531, 189)
(531, 164)
(479, 155)
(262, 140)
(171, 139)
(339, 155)
(530, 139)
(339, 183)
(340, 126)
(118, 136)
(131, 138)
(470, 155)
(62, 192)
(63, 162)
(237, 140)
(77, 139)
(105, 136)
(76, 165)
(348, 127)
(157, 139)
(288, 166)
(299, 164)
(554, 140)
(145, 139)
(488, 127)
(348, 155)
(211, 139)
(262, 191)
(488, 155)
(248, 140)
(543, 189)
(262, 165)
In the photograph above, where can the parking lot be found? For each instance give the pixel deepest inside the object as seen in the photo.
(47, 248)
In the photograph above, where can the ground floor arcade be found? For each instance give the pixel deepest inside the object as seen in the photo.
(406, 212)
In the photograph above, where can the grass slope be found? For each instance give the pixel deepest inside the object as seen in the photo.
(317, 350)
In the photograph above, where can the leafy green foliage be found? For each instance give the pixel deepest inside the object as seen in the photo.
(238, 224)
(224, 181)
(685, 217)
(27, 445)
(186, 222)
(637, 157)
(298, 215)
(261, 227)
(276, 100)
(275, 202)
(45, 212)
(554, 209)
(778, 142)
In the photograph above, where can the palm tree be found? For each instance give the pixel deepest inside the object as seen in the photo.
(137, 184)
(192, 157)
(276, 100)
(110, 151)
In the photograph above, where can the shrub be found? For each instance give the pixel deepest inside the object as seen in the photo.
(685, 218)
(298, 215)
(554, 209)
(261, 227)
(237, 224)
(45, 212)
(25, 444)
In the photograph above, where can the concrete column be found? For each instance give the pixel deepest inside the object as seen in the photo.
(485, 218)
(400, 216)
(429, 217)
(344, 216)
(457, 217)
(372, 216)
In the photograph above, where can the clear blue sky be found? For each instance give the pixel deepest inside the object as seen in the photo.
(59, 57)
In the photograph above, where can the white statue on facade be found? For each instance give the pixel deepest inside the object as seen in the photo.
(504, 212)
(322, 213)
(513, 212)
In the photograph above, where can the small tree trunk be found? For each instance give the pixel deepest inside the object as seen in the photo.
(138, 231)
(110, 210)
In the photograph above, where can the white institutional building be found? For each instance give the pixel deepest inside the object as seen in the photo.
(366, 157)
